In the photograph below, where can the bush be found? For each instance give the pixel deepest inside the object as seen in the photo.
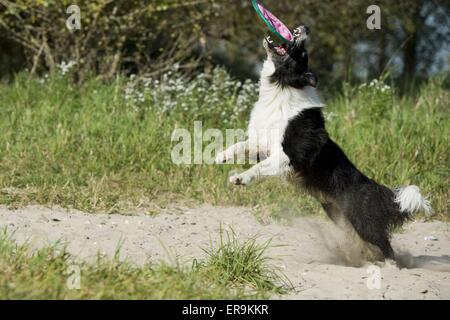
(131, 35)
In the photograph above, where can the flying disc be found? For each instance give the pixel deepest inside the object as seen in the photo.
(275, 25)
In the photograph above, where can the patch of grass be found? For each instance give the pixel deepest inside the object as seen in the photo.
(243, 264)
(107, 146)
(50, 273)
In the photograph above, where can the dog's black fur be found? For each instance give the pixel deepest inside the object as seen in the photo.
(323, 169)
(291, 70)
(325, 172)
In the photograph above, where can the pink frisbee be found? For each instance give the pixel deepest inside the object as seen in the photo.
(275, 25)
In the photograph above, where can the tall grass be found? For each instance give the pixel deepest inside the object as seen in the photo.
(106, 146)
(243, 263)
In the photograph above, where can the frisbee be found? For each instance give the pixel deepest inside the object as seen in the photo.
(275, 25)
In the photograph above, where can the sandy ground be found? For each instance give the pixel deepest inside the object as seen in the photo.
(311, 252)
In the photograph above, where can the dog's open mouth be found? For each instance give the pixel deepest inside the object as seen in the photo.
(279, 49)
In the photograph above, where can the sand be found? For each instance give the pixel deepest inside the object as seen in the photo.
(314, 255)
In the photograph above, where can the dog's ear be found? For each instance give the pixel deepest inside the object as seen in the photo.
(310, 79)
(301, 80)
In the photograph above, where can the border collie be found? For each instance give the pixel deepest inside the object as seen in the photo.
(288, 102)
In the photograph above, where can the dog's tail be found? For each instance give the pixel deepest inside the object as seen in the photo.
(411, 201)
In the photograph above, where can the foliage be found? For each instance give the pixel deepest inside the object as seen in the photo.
(134, 36)
(114, 34)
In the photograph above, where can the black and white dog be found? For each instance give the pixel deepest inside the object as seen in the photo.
(288, 102)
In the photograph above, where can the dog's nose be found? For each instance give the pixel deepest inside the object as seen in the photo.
(302, 30)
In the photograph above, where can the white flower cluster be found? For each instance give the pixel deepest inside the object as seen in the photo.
(376, 85)
(214, 95)
(65, 67)
(374, 99)
(44, 79)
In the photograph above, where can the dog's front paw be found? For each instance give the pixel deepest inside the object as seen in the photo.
(222, 157)
(240, 180)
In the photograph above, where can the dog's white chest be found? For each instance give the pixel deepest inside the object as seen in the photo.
(269, 121)
(275, 108)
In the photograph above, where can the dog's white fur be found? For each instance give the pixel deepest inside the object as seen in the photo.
(268, 122)
(410, 200)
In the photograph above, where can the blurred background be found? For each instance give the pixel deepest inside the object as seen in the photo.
(192, 36)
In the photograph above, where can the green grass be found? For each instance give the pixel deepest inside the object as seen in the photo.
(244, 263)
(233, 271)
(89, 148)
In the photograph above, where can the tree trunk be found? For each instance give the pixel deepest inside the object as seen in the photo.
(410, 48)
(382, 54)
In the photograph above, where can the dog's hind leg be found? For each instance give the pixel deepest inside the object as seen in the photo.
(334, 214)
(375, 236)
(384, 244)
(353, 249)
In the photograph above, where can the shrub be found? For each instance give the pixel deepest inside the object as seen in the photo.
(115, 35)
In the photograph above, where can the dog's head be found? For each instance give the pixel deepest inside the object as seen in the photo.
(291, 61)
